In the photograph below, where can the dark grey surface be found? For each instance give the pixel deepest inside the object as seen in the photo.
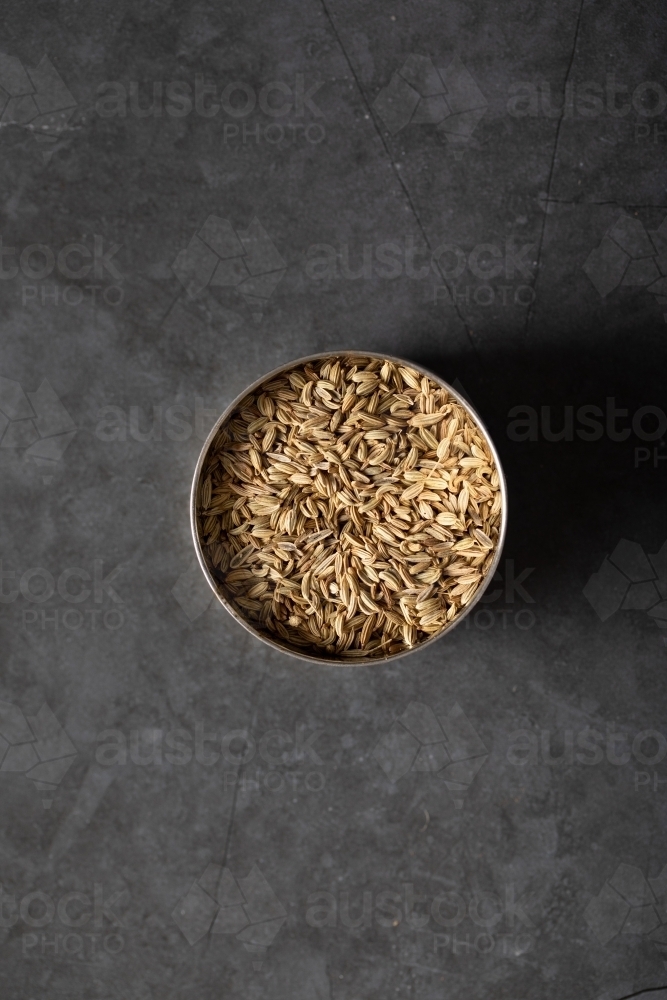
(551, 875)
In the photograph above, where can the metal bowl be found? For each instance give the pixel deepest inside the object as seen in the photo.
(284, 647)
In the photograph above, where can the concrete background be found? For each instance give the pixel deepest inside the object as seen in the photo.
(539, 877)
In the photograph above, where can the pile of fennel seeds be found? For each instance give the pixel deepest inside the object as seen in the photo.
(349, 507)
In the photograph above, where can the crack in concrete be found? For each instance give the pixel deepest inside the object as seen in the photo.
(619, 204)
(641, 993)
(232, 814)
(530, 310)
(406, 192)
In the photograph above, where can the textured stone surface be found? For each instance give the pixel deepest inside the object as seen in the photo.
(193, 814)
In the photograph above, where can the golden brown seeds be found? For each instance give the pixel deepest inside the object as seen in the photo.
(352, 507)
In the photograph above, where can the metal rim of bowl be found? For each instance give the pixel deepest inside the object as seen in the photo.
(284, 648)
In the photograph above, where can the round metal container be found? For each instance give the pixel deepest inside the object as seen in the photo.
(269, 640)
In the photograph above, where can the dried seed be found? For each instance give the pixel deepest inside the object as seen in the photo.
(241, 556)
(425, 419)
(483, 539)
